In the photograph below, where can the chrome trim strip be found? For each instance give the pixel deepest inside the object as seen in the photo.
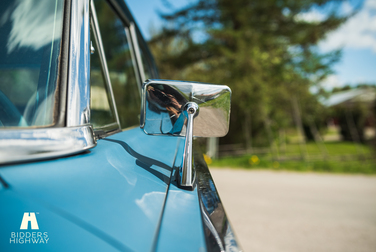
(102, 57)
(210, 226)
(106, 130)
(218, 232)
(78, 102)
(136, 47)
(34, 144)
(119, 11)
(134, 61)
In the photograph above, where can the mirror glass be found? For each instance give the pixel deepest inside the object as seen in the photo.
(163, 108)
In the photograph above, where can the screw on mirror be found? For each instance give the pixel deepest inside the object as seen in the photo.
(191, 107)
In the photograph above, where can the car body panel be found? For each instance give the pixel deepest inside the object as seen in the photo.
(120, 191)
(181, 222)
(53, 223)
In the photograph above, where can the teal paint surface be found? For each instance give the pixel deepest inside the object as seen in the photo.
(114, 193)
(181, 227)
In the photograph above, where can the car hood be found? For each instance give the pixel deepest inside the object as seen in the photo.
(111, 196)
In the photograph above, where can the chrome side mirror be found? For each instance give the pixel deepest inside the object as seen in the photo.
(187, 109)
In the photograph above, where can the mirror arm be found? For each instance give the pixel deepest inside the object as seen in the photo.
(186, 175)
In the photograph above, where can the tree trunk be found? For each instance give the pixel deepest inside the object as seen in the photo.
(299, 127)
(247, 128)
(318, 139)
(353, 131)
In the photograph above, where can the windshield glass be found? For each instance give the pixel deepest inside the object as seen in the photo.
(30, 35)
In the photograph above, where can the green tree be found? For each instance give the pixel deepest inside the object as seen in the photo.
(264, 50)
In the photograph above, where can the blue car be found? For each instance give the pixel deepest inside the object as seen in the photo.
(96, 152)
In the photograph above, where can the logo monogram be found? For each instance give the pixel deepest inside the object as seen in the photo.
(29, 217)
(29, 237)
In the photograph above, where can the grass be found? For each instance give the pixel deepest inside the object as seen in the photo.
(338, 157)
(332, 148)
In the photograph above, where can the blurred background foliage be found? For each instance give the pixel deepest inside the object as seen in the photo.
(268, 55)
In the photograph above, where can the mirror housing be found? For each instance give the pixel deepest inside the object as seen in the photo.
(163, 108)
(189, 109)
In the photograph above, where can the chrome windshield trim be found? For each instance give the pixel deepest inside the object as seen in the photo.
(78, 101)
(44, 143)
(134, 61)
(136, 48)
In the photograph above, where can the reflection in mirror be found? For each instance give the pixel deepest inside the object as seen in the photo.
(164, 108)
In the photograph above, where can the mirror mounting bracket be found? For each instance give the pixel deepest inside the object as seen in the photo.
(186, 172)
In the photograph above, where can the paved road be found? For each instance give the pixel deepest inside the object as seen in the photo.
(286, 211)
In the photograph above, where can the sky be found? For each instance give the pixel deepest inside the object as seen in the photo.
(356, 37)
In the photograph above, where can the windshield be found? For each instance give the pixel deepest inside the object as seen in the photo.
(30, 35)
